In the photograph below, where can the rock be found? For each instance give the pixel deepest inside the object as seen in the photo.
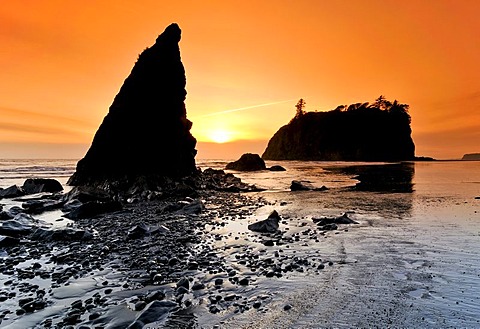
(15, 228)
(39, 185)
(14, 211)
(247, 162)
(360, 132)
(138, 231)
(93, 208)
(8, 241)
(86, 194)
(477, 198)
(150, 107)
(329, 227)
(11, 192)
(344, 219)
(301, 186)
(40, 206)
(156, 311)
(269, 225)
(67, 234)
(287, 307)
(4, 215)
(277, 168)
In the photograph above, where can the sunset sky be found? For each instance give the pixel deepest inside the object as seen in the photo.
(247, 64)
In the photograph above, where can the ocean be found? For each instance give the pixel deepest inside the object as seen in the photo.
(413, 261)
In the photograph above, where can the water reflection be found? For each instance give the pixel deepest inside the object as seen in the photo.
(393, 178)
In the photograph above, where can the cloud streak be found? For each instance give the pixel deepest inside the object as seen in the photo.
(242, 109)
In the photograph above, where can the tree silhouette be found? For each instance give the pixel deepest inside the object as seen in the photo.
(300, 106)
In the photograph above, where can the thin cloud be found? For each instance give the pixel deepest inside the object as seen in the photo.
(242, 109)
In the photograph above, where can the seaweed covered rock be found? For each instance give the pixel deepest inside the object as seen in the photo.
(146, 131)
(247, 162)
(358, 132)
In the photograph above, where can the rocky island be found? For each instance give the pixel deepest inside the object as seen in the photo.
(471, 157)
(359, 132)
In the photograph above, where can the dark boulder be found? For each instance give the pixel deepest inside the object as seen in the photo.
(5, 215)
(93, 208)
(344, 219)
(156, 311)
(86, 194)
(305, 186)
(8, 241)
(146, 131)
(277, 168)
(269, 225)
(301, 186)
(247, 162)
(40, 185)
(67, 234)
(11, 192)
(15, 228)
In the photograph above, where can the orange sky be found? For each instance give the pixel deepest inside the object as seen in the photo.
(62, 63)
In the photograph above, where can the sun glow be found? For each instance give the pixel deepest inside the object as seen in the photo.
(219, 136)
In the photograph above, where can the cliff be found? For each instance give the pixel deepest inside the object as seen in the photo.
(146, 131)
(359, 132)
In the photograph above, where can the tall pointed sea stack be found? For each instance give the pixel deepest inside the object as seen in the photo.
(146, 131)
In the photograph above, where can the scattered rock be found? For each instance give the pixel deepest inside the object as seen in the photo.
(93, 208)
(344, 219)
(15, 228)
(8, 241)
(67, 234)
(269, 225)
(247, 162)
(11, 192)
(287, 307)
(39, 185)
(277, 168)
(301, 186)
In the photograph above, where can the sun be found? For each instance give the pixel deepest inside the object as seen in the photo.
(219, 136)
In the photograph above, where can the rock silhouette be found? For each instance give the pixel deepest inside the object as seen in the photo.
(358, 132)
(146, 131)
(247, 162)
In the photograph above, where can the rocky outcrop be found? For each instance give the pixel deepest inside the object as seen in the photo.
(41, 185)
(247, 162)
(471, 157)
(146, 131)
(359, 132)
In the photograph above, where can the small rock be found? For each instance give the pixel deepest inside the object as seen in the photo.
(269, 225)
(244, 282)
(287, 307)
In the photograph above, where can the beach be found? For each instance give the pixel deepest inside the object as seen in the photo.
(411, 261)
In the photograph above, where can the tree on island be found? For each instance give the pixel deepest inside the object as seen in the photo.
(300, 108)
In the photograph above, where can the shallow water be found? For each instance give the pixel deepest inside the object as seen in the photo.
(412, 262)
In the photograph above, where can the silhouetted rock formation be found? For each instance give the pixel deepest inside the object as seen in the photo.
(146, 132)
(359, 132)
(471, 157)
(247, 162)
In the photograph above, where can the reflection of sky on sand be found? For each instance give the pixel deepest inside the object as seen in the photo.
(413, 261)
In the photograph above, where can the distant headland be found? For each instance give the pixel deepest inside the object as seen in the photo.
(359, 132)
(471, 157)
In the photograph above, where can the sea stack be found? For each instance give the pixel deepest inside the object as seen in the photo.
(146, 131)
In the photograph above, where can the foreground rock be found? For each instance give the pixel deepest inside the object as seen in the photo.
(305, 186)
(150, 107)
(344, 219)
(247, 162)
(269, 225)
(40, 185)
